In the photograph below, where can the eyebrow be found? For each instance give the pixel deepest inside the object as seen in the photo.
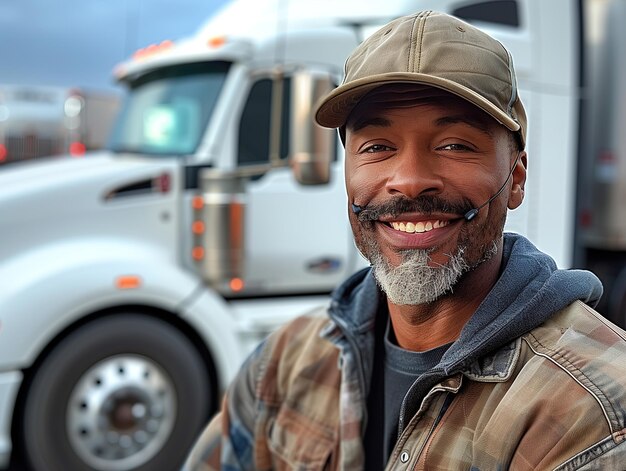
(475, 123)
(378, 121)
(369, 121)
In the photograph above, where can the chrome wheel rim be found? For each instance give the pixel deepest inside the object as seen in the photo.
(121, 413)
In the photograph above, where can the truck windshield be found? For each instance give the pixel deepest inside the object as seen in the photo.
(167, 110)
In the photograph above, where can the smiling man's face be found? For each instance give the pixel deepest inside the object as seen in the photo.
(417, 163)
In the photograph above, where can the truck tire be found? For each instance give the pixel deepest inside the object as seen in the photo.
(124, 392)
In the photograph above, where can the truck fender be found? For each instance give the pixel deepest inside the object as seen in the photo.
(211, 317)
(49, 288)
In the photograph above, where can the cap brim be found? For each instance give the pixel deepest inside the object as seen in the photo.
(334, 109)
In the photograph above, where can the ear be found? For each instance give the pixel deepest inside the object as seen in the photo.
(516, 195)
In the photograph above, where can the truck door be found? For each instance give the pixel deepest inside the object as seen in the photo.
(297, 237)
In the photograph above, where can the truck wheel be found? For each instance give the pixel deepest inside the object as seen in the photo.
(125, 392)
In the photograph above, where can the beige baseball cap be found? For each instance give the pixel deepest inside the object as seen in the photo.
(437, 50)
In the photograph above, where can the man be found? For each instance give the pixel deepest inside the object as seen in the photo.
(461, 348)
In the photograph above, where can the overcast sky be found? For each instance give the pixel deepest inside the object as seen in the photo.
(78, 42)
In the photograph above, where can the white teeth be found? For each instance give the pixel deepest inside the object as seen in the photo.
(419, 227)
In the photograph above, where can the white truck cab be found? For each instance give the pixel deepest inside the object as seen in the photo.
(136, 280)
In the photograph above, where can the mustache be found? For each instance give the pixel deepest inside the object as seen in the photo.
(422, 204)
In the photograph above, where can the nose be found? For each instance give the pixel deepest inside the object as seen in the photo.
(414, 174)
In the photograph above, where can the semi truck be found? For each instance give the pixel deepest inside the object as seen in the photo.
(136, 281)
(38, 121)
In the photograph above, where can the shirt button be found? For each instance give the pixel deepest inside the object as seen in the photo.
(404, 457)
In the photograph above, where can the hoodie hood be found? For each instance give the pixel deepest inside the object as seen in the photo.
(529, 291)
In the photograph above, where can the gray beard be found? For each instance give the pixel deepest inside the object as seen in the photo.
(414, 282)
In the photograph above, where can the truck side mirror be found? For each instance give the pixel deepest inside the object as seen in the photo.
(312, 146)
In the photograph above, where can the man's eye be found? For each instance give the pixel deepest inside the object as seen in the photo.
(376, 148)
(456, 147)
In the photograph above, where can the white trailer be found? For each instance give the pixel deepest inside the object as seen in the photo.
(38, 121)
(134, 282)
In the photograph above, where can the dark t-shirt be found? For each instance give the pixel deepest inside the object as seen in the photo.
(395, 370)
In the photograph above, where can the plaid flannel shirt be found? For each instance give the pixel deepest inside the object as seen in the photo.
(554, 398)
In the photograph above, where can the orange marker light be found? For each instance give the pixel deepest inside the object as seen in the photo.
(197, 202)
(152, 49)
(197, 253)
(197, 227)
(127, 282)
(216, 41)
(236, 284)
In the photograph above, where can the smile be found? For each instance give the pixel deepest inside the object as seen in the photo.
(419, 227)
